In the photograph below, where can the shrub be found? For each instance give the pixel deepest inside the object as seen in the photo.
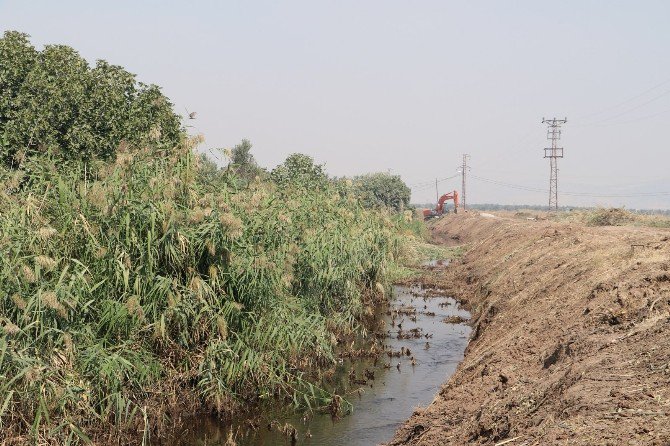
(609, 217)
(381, 190)
(299, 171)
(51, 100)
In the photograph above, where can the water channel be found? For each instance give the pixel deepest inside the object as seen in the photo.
(400, 384)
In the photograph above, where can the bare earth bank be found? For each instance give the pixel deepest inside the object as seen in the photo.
(571, 337)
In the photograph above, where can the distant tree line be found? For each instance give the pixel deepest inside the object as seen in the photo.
(374, 190)
(52, 101)
(533, 207)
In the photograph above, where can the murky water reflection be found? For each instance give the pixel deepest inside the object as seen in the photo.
(385, 402)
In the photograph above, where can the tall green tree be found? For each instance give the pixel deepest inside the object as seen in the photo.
(382, 190)
(243, 162)
(300, 171)
(17, 59)
(52, 100)
(241, 154)
(47, 109)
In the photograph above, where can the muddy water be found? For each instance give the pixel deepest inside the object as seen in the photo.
(379, 405)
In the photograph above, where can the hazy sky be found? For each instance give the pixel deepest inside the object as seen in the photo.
(367, 86)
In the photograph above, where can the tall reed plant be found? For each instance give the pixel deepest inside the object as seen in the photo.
(138, 288)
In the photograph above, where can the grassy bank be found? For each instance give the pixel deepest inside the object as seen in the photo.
(138, 289)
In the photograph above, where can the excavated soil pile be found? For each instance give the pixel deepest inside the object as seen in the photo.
(571, 337)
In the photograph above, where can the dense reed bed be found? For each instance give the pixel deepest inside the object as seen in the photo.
(137, 290)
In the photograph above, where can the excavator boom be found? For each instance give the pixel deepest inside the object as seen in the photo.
(439, 209)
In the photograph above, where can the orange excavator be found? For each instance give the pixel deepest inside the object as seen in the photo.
(439, 210)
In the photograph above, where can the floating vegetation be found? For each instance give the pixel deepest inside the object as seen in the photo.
(454, 320)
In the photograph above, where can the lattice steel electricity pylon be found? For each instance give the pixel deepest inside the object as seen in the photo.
(553, 153)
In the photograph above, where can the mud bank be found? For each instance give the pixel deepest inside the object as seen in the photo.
(570, 341)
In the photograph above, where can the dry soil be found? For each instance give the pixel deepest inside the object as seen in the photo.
(570, 341)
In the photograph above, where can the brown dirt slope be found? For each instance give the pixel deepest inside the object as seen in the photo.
(570, 339)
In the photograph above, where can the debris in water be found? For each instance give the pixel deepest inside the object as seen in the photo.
(454, 320)
(230, 440)
(335, 406)
(290, 431)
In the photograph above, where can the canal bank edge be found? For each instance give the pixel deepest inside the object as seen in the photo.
(569, 342)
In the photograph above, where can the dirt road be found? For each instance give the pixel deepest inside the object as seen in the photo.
(571, 338)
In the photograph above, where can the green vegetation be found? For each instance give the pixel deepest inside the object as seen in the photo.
(417, 249)
(300, 169)
(381, 190)
(139, 280)
(428, 251)
(608, 217)
(52, 101)
(243, 163)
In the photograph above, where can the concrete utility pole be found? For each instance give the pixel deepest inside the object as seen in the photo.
(464, 168)
(437, 194)
(553, 153)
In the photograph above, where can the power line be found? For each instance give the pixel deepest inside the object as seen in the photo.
(421, 184)
(614, 107)
(629, 121)
(625, 112)
(512, 186)
(430, 184)
(513, 152)
(574, 194)
(447, 178)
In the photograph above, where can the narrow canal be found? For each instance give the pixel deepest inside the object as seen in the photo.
(426, 351)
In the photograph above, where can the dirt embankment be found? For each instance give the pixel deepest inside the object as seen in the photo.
(571, 338)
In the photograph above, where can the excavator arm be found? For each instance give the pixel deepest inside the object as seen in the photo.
(439, 209)
(448, 196)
